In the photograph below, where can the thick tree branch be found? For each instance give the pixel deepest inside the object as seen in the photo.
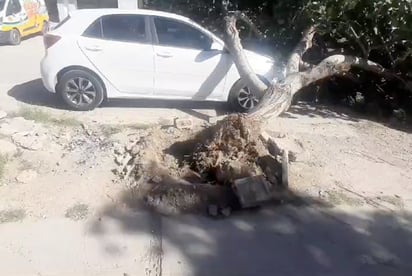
(234, 46)
(279, 96)
(295, 59)
(245, 19)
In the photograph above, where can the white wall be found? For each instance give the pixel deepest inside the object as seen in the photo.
(65, 6)
(128, 4)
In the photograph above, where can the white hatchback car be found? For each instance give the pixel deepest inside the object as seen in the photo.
(95, 55)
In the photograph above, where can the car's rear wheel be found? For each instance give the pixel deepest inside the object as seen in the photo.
(15, 37)
(81, 90)
(242, 99)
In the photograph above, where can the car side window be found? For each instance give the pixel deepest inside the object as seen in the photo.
(13, 7)
(94, 30)
(119, 27)
(173, 33)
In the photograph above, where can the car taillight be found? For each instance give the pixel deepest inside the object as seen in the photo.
(50, 40)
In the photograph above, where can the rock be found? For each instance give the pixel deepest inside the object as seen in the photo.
(3, 114)
(292, 156)
(170, 130)
(18, 124)
(285, 168)
(184, 123)
(119, 160)
(165, 122)
(212, 210)
(135, 150)
(226, 211)
(7, 148)
(86, 129)
(214, 120)
(191, 176)
(129, 147)
(253, 191)
(156, 179)
(26, 176)
(321, 193)
(29, 140)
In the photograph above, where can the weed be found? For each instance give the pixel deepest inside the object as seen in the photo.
(40, 116)
(12, 215)
(3, 161)
(109, 130)
(25, 165)
(77, 212)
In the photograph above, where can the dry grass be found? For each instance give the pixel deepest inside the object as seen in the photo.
(3, 162)
(43, 117)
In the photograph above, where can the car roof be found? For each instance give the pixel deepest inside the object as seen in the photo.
(101, 12)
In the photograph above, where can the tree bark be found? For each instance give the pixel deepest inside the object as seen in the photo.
(234, 46)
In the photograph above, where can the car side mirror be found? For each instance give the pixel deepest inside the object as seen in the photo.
(216, 46)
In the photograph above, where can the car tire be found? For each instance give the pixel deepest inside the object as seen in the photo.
(241, 99)
(81, 90)
(14, 37)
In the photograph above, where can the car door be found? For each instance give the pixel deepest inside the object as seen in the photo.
(185, 66)
(120, 48)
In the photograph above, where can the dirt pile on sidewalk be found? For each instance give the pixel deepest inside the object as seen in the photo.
(186, 171)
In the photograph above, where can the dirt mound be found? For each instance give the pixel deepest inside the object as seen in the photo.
(176, 168)
(232, 153)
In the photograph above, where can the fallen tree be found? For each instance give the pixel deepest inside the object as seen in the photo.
(278, 96)
(237, 147)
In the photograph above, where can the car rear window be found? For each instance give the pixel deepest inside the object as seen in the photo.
(94, 30)
(119, 27)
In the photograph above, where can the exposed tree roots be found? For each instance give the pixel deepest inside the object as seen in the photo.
(233, 152)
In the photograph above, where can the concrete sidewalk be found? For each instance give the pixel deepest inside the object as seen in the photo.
(286, 241)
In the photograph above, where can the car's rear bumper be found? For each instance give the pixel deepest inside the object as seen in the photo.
(4, 37)
(48, 75)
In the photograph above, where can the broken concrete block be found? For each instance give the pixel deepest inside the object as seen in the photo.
(165, 122)
(212, 210)
(119, 160)
(253, 191)
(226, 211)
(183, 123)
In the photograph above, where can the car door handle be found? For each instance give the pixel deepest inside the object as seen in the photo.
(165, 54)
(94, 48)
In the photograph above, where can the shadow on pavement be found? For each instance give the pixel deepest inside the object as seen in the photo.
(34, 93)
(321, 111)
(277, 240)
(344, 113)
